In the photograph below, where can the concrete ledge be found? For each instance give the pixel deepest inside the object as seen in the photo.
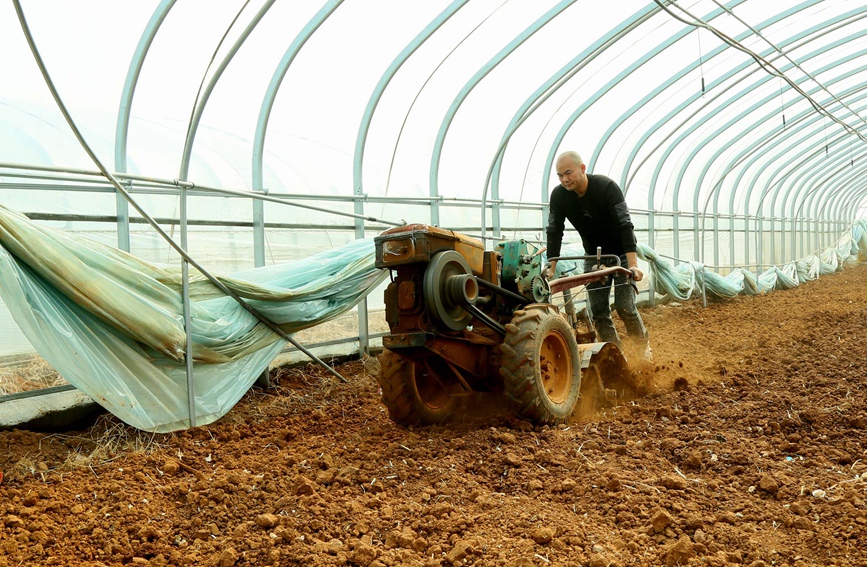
(47, 410)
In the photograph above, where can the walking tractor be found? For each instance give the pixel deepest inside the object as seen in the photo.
(464, 320)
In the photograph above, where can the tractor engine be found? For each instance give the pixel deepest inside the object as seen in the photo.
(464, 320)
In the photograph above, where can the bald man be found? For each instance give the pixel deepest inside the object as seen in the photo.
(595, 206)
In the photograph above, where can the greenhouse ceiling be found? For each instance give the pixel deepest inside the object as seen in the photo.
(745, 107)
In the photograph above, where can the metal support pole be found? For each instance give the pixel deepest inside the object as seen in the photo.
(264, 379)
(820, 234)
(787, 251)
(746, 240)
(805, 226)
(732, 220)
(827, 239)
(122, 207)
(363, 324)
(259, 232)
(775, 249)
(435, 207)
(496, 223)
(715, 240)
(122, 128)
(185, 275)
(817, 234)
(651, 297)
(760, 242)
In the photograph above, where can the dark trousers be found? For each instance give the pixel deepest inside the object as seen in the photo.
(599, 306)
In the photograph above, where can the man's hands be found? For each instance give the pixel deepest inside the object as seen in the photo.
(632, 262)
(551, 270)
(637, 275)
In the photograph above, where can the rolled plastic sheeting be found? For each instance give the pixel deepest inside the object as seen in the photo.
(725, 287)
(112, 325)
(830, 261)
(751, 283)
(682, 281)
(780, 278)
(678, 282)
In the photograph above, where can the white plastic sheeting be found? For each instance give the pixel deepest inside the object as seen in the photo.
(686, 280)
(112, 325)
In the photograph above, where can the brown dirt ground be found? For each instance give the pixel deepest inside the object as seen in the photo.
(748, 449)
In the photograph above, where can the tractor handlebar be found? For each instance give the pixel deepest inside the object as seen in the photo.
(600, 271)
(587, 277)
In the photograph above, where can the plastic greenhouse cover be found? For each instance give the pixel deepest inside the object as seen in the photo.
(628, 92)
(112, 325)
(685, 280)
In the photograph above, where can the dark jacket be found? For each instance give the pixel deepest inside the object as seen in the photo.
(601, 217)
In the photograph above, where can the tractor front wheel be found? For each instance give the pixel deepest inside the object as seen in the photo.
(541, 368)
(411, 393)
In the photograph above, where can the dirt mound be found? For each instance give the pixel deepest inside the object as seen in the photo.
(745, 446)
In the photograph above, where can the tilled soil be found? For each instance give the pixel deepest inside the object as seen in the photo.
(747, 449)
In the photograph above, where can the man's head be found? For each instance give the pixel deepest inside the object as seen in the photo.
(571, 172)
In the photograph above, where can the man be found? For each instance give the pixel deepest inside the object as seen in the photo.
(595, 206)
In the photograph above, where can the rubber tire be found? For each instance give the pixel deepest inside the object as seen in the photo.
(407, 403)
(531, 330)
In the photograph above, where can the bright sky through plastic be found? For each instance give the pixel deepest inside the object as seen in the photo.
(87, 47)
(638, 110)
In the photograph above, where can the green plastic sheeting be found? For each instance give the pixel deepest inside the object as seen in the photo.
(112, 325)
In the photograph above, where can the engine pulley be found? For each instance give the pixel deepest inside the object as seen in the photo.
(449, 285)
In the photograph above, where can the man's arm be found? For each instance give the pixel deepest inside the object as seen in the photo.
(554, 231)
(632, 265)
(552, 270)
(620, 212)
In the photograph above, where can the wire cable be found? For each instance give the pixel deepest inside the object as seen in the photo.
(786, 55)
(208, 68)
(763, 63)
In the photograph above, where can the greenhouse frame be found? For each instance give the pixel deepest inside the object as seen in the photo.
(261, 134)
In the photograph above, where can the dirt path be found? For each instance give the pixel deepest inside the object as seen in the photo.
(749, 450)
